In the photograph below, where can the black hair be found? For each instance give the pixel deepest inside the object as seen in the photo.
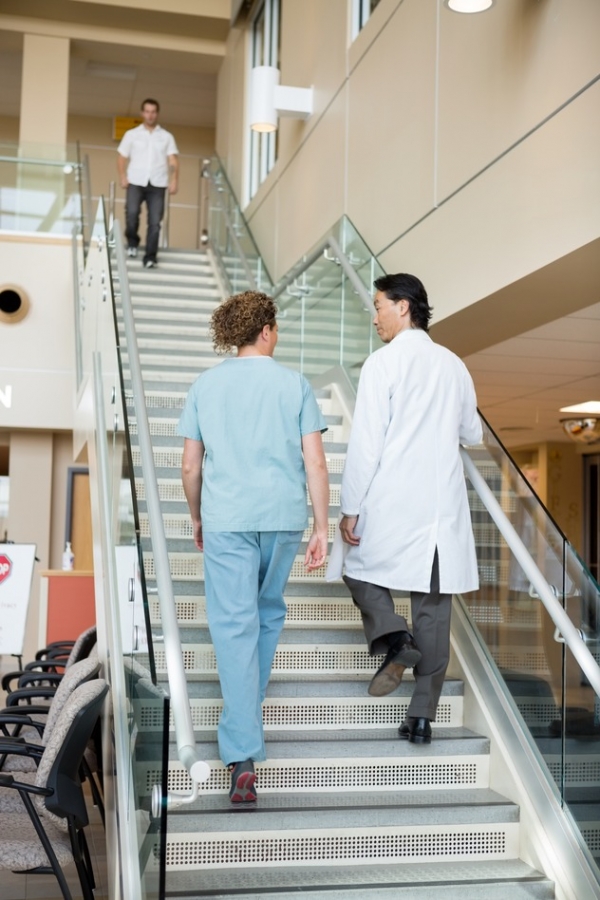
(153, 102)
(407, 287)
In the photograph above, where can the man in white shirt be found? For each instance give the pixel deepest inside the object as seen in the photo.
(405, 514)
(148, 165)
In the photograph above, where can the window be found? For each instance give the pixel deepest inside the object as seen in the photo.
(265, 52)
(361, 13)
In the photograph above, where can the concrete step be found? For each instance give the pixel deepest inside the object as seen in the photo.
(292, 661)
(333, 713)
(302, 612)
(179, 526)
(448, 880)
(349, 763)
(171, 489)
(189, 566)
(342, 690)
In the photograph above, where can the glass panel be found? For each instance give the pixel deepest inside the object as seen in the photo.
(230, 236)
(141, 715)
(323, 321)
(265, 52)
(39, 189)
(323, 325)
(580, 736)
(560, 710)
(4, 498)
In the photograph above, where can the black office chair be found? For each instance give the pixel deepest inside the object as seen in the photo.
(48, 834)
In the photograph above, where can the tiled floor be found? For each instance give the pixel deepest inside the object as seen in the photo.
(45, 887)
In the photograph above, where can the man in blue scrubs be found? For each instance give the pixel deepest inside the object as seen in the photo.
(257, 427)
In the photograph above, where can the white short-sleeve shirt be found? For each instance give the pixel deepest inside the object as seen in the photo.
(148, 151)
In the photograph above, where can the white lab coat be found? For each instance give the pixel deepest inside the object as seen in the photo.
(403, 475)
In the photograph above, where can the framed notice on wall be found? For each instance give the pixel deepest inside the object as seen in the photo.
(16, 573)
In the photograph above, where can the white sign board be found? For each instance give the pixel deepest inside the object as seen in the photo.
(16, 573)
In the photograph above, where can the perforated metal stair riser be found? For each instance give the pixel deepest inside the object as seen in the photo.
(345, 809)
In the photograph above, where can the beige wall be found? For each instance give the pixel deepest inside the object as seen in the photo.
(44, 93)
(38, 353)
(472, 166)
(29, 510)
(38, 469)
(95, 137)
(556, 473)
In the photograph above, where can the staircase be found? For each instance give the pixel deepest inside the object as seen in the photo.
(345, 808)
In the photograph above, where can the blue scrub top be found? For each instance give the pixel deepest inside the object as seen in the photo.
(251, 414)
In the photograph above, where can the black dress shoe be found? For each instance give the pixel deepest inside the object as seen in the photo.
(420, 731)
(403, 654)
(404, 729)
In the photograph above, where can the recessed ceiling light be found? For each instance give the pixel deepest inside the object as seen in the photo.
(590, 408)
(469, 6)
(103, 70)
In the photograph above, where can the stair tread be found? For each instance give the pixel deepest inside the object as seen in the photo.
(334, 689)
(248, 881)
(400, 799)
(380, 743)
(262, 818)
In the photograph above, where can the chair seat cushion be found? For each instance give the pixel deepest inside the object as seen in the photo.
(20, 847)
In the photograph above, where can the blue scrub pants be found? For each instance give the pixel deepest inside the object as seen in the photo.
(245, 575)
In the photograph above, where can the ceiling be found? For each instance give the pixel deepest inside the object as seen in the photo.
(187, 94)
(523, 382)
(171, 56)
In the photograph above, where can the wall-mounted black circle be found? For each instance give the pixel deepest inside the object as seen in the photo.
(10, 301)
(14, 304)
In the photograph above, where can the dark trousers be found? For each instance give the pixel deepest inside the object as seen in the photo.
(430, 628)
(155, 205)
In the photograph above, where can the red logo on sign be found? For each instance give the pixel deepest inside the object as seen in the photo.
(5, 567)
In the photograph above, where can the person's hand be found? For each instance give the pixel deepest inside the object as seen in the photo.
(173, 187)
(347, 526)
(316, 552)
(198, 539)
(124, 183)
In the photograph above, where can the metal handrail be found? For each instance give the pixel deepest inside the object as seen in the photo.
(165, 225)
(184, 730)
(330, 242)
(29, 161)
(556, 612)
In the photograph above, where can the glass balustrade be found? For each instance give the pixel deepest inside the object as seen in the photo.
(325, 328)
(140, 705)
(40, 189)
(323, 321)
(559, 710)
(242, 266)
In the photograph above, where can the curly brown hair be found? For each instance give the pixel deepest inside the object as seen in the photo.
(239, 320)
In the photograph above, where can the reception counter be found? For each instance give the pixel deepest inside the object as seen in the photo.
(67, 605)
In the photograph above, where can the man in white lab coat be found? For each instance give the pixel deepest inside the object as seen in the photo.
(405, 515)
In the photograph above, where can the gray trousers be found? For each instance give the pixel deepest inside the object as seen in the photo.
(430, 628)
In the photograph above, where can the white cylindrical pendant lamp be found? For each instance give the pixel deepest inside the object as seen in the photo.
(263, 81)
(469, 6)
